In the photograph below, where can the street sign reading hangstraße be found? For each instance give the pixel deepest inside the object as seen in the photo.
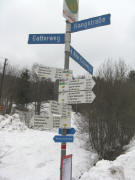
(90, 23)
(46, 39)
(76, 97)
(80, 60)
(76, 85)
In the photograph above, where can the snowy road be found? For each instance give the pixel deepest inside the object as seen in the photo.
(32, 155)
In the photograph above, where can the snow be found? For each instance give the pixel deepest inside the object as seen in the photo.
(27, 154)
(11, 123)
(123, 168)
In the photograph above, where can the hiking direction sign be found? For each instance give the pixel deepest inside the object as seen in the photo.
(76, 97)
(43, 122)
(52, 73)
(76, 85)
(63, 111)
(69, 131)
(70, 10)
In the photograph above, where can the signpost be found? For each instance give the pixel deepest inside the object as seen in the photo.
(62, 110)
(52, 73)
(80, 60)
(70, 92)
(90, 23)
(76, 85)
(43, 122)
(76, 97)
(59, 109)
(52, 121)
(46, 39)
(69, 131)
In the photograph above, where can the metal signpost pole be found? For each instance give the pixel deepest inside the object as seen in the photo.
(66, 66)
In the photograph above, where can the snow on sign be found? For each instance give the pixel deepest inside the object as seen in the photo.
(76, 85)
(76, 97)
(52, 73)
(70, 10)
(66, 167)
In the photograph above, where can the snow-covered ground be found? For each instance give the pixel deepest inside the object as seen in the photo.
(27, 154)
(123, 168)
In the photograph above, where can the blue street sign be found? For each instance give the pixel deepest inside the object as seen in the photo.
(90, 23)
(69, 131)
(80, 60)
(46, 39)
(63, 139)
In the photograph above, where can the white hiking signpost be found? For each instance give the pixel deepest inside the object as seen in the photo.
(71, 91)
(76, 85)
(52, 73)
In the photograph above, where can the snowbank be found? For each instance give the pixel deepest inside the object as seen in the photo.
(11, 123)
(123, 168)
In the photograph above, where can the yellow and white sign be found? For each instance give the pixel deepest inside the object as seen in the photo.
(70, 10)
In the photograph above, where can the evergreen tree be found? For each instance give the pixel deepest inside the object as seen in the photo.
(23, 91)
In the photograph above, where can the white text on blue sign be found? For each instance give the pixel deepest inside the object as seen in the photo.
(46, 39)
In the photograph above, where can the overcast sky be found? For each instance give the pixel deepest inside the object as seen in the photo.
(18, 18)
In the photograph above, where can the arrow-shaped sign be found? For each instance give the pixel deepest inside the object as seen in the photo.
(80, 60)
(90, 23)
(63, 139)
(77, 97)
(76, 85)
(69, 131)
